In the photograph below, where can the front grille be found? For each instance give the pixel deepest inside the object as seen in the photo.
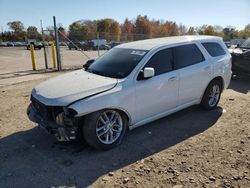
(48, 112)
(39, 107)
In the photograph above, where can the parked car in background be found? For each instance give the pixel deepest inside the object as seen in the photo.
(63, 44)
(104, 47)
(77, 45)
(3, 44)
(113, 44)
(130, 85)
(10, 44)
(19, 44)
(241, 58)
(37, 45)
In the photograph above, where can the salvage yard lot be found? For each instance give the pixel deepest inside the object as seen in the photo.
(191, 148)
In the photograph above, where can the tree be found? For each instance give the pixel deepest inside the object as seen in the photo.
(143, 29)
(115, 31)
(32, 32)
(172, 28)
(228, 33)
(103, 27)
(91, 27)
(127, 30)
(158, 29)
(182, 29)
(191, 31)
(78, 31)
(209, 30)
(62, 33)
(16, 26)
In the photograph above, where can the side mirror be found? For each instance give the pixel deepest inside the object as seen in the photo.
(146, 73)
(88, 63)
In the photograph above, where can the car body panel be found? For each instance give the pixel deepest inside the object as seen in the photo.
(145, 100)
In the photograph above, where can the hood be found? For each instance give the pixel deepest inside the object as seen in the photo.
(65, 89)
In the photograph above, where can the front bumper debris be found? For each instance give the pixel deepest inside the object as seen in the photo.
(61, 132)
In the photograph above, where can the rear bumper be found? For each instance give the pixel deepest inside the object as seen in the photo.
(61, 132)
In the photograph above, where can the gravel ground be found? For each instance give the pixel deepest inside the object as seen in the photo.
(191, 148)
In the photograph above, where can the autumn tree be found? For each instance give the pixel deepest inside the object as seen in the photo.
(115, 31)
(127, 30)
(158, 29)
(143, 29)
(172, 28)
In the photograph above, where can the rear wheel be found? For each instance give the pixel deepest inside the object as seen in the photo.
(212, 95)
(104, 129)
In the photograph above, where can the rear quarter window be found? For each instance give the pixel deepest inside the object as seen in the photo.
(214, 49)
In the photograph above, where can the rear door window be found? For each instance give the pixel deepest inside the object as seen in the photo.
(187, 55)
(214, 49)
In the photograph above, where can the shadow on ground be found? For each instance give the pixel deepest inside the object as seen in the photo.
(240, 83)
(34, 159)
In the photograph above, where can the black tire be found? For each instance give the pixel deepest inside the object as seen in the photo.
(90, 127)
(205, 102)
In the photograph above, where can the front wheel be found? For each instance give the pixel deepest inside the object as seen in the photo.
(105, 129)
(212, 95)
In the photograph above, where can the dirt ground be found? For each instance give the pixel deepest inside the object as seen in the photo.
(18, 59)
(191, 148)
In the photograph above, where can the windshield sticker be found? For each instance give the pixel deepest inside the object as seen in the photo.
(137, 52)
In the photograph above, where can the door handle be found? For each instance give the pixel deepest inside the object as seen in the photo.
(171, 79)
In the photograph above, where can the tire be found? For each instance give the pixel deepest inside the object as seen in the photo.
(212, 95)
(102, 123)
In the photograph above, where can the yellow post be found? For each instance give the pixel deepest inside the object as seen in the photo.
(33, 60)
(53, 55)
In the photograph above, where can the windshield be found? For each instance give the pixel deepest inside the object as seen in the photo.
(117, 62)
(246, 44)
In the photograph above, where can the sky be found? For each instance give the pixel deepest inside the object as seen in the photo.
(188, 12)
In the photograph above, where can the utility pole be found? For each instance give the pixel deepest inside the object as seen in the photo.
(59, 67)
(44, 47)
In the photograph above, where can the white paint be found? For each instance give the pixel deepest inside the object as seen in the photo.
(142, 100)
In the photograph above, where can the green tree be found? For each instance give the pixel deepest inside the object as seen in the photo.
(209, 30)
(78, 31)
(62, 33)
(17, 28)
(182, 29)
(191, 31)
(32, 32)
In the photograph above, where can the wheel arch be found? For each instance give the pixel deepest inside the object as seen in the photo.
(220, 79)
(121, 110)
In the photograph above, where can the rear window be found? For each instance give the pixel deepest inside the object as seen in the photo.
(187, 55)
(214, 49)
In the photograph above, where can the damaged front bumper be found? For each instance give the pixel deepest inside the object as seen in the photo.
(62, 131)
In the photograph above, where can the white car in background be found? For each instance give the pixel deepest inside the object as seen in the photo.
(131, 85)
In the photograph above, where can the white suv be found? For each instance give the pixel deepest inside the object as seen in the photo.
(131, 85)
